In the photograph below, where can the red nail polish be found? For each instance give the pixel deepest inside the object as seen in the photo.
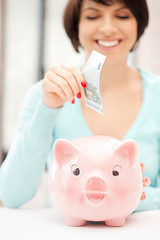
(143, 196)
(83, 84)
(73, 101)
(79, 95)
(146, 180)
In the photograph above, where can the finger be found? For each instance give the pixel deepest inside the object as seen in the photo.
(63, 84)
(142, 167)
(54, 88)
(146, 182)
(77, 74)
(143, 196)
(69, 77)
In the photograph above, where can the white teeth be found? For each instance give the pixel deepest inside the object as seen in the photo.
(108, 44)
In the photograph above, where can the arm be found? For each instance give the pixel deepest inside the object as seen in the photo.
(151, 194)
(21, 172)
(152, 200)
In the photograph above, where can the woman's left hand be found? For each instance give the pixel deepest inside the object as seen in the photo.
(146, 182)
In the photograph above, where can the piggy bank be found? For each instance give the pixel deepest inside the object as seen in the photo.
(98, 178)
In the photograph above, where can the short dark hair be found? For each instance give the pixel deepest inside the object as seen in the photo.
(72, 10)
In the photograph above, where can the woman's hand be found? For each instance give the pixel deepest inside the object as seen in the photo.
(61, 84)
(146, 182)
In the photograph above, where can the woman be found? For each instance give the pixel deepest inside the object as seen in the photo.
(55, 107)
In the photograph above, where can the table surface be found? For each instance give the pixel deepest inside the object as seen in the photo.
(49, 224)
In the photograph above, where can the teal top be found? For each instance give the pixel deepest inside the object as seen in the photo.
(39, 126)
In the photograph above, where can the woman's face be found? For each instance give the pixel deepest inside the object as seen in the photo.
(110, 30)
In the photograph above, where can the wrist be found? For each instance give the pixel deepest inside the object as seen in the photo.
(51, 104)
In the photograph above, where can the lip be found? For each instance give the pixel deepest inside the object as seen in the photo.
(108, 40)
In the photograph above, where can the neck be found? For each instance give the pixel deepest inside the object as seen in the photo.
(113, 75)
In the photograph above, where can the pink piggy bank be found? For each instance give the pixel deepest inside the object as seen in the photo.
(98, 178)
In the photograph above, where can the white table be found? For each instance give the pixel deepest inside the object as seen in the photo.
(46, 224)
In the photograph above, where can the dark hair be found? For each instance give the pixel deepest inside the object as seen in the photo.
(71, 17)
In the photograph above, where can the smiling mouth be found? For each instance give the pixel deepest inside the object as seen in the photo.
(108, 44)
(95, 197)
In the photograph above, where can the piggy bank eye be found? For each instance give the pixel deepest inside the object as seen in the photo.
(75, 170)
(116, 171)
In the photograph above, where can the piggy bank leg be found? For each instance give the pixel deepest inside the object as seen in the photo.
(115, 222)
(75, 222)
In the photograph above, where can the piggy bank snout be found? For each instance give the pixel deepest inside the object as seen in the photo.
(95, 184)
(95, 189)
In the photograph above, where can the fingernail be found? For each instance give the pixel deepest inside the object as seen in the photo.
(145, 180)
(83, 84)
(79, 95)
(143, 196)
(73, 101)
(142, 167)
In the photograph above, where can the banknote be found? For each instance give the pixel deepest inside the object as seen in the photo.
(91, 73)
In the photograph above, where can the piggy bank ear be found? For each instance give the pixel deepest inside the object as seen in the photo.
(129, 150)
(64, 151)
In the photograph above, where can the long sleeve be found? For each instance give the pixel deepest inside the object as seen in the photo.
(20, 173)
(152, 201)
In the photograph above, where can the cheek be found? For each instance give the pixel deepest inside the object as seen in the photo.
(133, 31)
(72, 184)
(123, 182)
(84, 32)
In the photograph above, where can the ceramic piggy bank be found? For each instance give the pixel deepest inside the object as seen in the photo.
(98, 178)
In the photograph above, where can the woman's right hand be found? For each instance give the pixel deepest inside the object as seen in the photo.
(61, 84)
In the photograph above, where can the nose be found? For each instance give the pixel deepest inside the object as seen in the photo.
(95, 184)
(108, 26)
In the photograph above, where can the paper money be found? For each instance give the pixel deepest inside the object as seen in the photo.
(91, 73)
